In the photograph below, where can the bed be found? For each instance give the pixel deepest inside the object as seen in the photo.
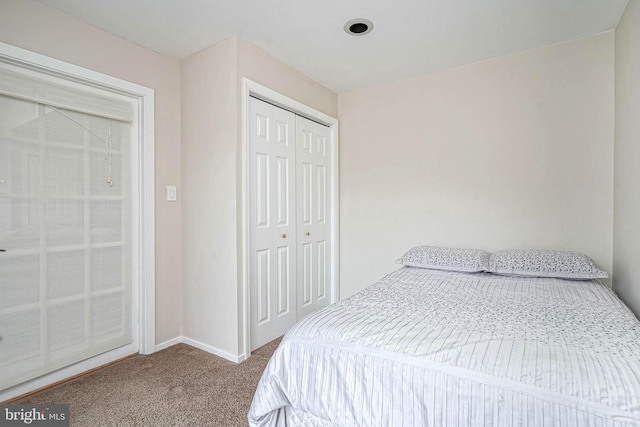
(423, 347)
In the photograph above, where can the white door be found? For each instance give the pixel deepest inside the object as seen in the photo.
(65, 231)
(272, 221)
(313, 207)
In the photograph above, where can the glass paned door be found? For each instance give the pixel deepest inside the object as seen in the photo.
(65, 228)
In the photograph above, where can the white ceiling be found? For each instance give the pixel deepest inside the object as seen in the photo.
(410, 37)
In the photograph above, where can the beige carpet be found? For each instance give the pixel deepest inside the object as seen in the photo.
(179, 386)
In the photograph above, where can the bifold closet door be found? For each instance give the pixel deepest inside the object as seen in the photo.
(313, 213)
(272, 221)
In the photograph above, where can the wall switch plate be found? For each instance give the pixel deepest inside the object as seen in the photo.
(172, 193)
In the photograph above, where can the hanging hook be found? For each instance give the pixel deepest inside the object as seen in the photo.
(108, 148)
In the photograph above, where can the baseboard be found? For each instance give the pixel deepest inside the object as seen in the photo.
(213, 350)
(201, 346)
(168, 343)
(57, 383)
(84, 367)
(65, 374)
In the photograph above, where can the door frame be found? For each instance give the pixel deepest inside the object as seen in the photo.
(143, 229)
(251, 88)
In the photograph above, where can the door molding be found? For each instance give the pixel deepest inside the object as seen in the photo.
(143, 236)
(251, 88)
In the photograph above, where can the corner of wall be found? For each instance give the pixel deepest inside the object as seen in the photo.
(209, 152)
(626, 236)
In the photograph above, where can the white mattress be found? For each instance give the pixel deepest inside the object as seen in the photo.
(427, 348)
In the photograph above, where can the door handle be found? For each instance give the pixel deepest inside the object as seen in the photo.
(308, 233)
(3, 250)
(284, 235)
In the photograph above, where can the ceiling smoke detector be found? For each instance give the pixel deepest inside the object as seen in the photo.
(358, 27)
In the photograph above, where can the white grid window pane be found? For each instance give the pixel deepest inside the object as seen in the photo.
(108, 316)
(107, 221)
(21, 336)
(64, 172)
(66, 325)
(106, 268)
(65, 274)
(20, 282)
(14, 154)
(65, 221)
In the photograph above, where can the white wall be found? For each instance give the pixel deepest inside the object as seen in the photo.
(626, 249)
(511, 152)
(257, 65)
(212, 181)
(33, 26)
(209, 142)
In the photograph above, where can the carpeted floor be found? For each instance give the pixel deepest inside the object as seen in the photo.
(178, 386)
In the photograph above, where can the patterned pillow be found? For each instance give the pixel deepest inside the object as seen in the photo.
(450, 259)
(545, 263)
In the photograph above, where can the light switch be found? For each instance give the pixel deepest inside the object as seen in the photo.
(172, 193)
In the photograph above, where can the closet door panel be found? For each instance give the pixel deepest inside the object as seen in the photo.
(272, 220)
(313, 205)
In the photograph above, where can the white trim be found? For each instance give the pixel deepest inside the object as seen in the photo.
(148, 226)
(245, 330)
(67, 372)
(144, 238)
(285, 102)
(210, 349)
(104, 359)
(205, 347)
(169, 343)
(251, 88)
(335, 214)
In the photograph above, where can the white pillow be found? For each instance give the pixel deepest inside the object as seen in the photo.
(545, 263)
(449, 259)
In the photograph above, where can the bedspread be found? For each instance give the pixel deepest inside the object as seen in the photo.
(428, 348)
